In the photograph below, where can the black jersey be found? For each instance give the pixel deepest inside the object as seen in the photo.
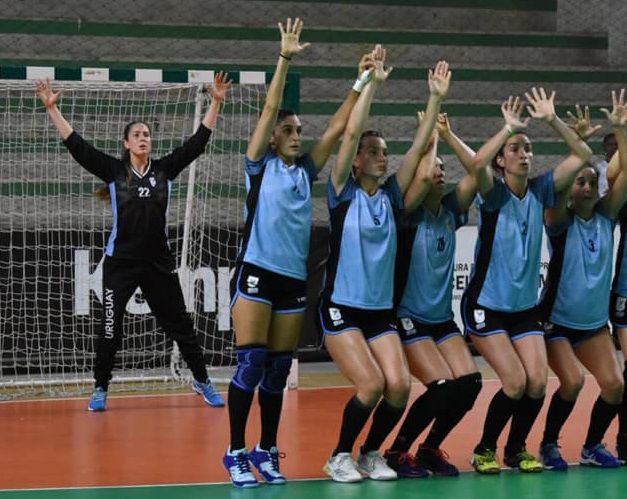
(139, 202)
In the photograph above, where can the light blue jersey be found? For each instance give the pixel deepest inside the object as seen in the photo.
(577, 292)
(278, 214)
(506, 275)
(360, 268)
(426, 262)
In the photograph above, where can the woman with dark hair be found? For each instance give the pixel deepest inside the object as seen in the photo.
(268, 289)
(499, 304)
(138, 252)
(356, 308)
(435, 348)
(575, 303)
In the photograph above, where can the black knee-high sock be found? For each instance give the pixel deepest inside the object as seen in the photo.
(239, 402)
(559, 410)
(462, 401)
(600, 419)
(622, 412)
(383, 422)
(418, 417)
(355, 416)
(525, 414)
(270, 405)
(500, 410)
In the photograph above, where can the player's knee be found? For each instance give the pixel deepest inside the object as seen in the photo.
(515, 385)
(397, 390)
(612, 390)
(536, 385)
(570, 386)
(276, 371)
(250, 366)
(369, 391)
(468, 389)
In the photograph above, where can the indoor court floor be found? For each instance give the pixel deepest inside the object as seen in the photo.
(170, 446)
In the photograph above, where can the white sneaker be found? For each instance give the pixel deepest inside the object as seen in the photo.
(342, 468)
(374, 466)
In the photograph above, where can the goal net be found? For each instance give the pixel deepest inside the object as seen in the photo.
(53, 232)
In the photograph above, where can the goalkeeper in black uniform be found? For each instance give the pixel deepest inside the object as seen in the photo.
(137, 252)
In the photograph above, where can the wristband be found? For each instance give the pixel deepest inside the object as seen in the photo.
(285, 57)
(362, 81)
(510, 131)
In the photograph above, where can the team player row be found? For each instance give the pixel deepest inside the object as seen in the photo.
(407, 223)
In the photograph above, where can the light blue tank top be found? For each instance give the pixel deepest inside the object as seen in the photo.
(360, 269)
(278, 214)
(506, 275)
(428, 293)
(583, 249)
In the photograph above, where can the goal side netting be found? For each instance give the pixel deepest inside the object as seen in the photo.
(53, 232)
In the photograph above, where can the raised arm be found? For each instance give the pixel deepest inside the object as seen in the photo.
(357, 121)
(617, 194)
(543, 107)
(439, 81)
(423, 177)
(464, 153)
(582, 124)
(511, 110)
(49, 99)
(290, 46)
(219, 89)
(322, 150)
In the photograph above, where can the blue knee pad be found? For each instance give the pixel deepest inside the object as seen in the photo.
(250, 366)
(276, 372)
(468, 388)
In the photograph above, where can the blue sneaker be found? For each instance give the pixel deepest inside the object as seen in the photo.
(98, 401)
(237, 463)
(209, 393)
(267, 462)
(551, 457)
(598, 456)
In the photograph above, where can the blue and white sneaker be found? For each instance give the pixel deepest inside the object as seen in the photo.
(267, 462)
(209, 393)
(237, 463)
(98, 400)
(598, 456)
(551, 457)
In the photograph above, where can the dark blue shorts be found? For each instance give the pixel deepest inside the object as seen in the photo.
(337, 319)
(411, 330)
(481, 321)
(285, 294)
(554, 332)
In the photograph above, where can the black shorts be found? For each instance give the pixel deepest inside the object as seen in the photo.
(482, 321)
(337, 319)
(285, 294)
(410, 331)
(618, 311)
(554, 332)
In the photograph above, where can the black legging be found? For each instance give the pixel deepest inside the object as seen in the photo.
(162, 291)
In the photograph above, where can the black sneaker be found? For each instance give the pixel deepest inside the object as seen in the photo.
(436, 461)
(404, 464)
